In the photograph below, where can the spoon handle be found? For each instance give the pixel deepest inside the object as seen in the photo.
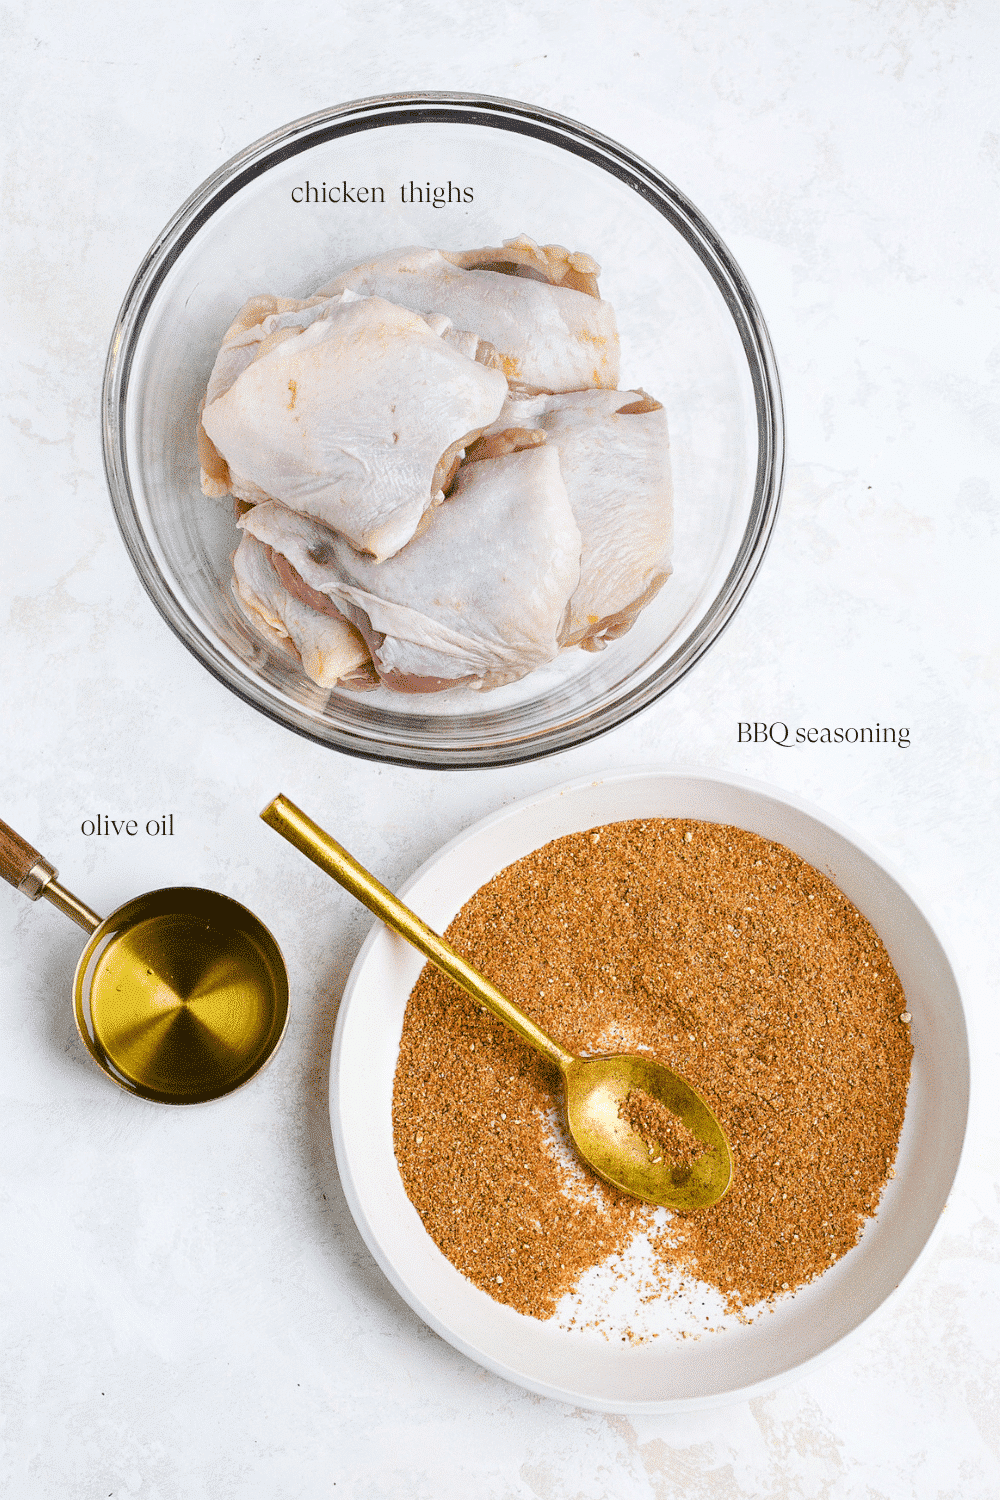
(312, 841)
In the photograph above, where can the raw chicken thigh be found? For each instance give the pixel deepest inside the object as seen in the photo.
(614, 456)
(539, 308)
(351, 410)
(438, 483)
(331, 651)
(477, 599)
(257, 320)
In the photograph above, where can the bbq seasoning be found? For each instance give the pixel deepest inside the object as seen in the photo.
(738, 965)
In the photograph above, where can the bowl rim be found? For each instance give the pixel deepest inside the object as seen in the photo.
(389, 110)
(353, 1194)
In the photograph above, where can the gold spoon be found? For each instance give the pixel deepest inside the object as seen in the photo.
(596, 1087)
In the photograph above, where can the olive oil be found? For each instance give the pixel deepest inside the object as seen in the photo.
(184, 1007)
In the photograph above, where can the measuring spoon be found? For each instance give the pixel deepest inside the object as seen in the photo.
(180, 996)
(595, 1087)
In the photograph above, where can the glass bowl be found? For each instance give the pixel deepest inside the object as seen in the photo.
(691, 334)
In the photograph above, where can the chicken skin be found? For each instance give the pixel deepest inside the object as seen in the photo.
(478, 599)
(351, 410)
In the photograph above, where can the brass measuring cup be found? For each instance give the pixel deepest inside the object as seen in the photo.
(180, 995)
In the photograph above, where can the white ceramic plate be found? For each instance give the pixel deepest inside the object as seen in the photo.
(665, 1374)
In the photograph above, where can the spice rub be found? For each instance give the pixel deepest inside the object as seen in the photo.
(723, 954)
(665, 1134)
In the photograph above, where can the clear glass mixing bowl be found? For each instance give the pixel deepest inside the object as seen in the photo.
(691, 334)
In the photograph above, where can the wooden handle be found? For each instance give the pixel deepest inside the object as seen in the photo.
(23, 866)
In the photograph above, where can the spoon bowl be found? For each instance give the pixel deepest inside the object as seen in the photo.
(597, 1089)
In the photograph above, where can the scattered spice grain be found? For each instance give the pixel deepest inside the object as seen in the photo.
(731, 959)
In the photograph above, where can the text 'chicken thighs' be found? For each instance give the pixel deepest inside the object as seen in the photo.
(553, 337)
(355, 415)
(477, 599)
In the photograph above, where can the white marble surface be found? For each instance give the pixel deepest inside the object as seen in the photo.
(188, 1310)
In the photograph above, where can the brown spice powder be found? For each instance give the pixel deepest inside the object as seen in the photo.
(725, 955)
(665, 1135)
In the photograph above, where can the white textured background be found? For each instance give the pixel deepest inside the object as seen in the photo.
(188, 1311)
